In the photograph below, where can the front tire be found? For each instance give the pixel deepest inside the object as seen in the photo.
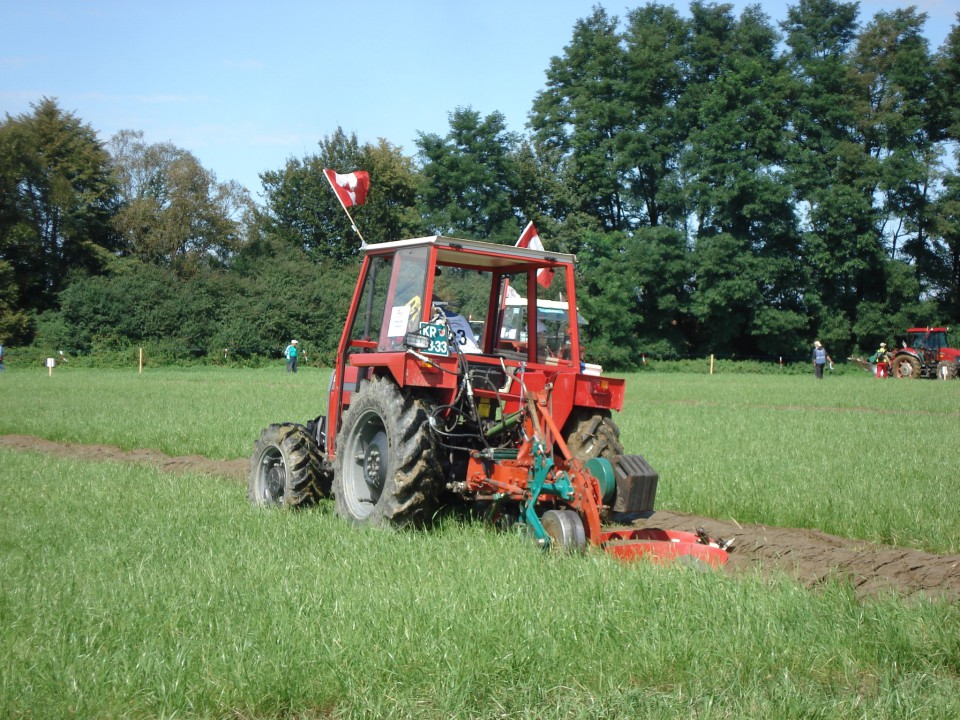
(286, 468)
(386, 471)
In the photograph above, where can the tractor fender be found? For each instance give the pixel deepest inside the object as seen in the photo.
(909, 352)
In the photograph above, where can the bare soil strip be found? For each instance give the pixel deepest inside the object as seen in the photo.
(809, 556)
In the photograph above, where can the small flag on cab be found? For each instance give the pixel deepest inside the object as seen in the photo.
(531, 238)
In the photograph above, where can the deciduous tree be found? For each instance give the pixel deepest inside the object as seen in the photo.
(174, 212)
(302, 210)
(469, 176)
(582, 113)
(57, 196)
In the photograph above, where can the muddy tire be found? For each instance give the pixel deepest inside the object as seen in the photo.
(946, 370)
(905, 367)
(386, 472)
(287, 468)
(591, 433)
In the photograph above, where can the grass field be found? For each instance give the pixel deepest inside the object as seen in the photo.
(132, 593)
(852, 456)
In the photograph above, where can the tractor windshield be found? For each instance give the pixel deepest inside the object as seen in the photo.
(391, 299)
(405, 301)
(933, 340)
(937, 340)
(494, 309)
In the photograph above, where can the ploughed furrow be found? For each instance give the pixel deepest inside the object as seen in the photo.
(810, 557)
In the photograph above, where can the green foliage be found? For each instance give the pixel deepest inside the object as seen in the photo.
(14, 324)
(173, 211)
(57, 198)
(633, 293)
(727, 188)
(274, 294)
(581, 113)
(467, 178)
(303, 212)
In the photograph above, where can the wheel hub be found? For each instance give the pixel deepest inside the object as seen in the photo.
(565, 529)
(275, 480)
(372, 458)
(273, 475)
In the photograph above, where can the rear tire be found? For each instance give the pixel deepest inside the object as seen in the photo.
(386, 471)
(591, 433)
(905, 367)
(287, 468)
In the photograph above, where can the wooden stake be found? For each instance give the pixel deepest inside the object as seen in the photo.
(140, 370)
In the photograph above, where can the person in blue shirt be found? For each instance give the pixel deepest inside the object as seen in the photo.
(291, 355)
(820, 358)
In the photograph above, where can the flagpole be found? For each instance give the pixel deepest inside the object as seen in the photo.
(363, 243)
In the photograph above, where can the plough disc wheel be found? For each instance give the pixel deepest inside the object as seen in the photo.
(565, 529)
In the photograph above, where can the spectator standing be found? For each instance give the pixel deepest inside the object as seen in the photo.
(291, 354)
(820, 358)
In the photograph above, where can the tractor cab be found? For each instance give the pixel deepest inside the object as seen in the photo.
(426, 308)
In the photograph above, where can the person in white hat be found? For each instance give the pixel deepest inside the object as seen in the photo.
(291, 355)
(882, 359)
(820, 358)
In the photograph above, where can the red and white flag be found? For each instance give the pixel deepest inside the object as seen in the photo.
(529, 238)
(351, 188)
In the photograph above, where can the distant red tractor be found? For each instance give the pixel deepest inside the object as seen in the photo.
(926, 353)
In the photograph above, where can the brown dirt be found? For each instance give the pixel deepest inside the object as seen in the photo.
(233, 469)
(809, 556)
(812, 557)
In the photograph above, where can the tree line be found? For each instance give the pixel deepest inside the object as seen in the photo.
(729, 186)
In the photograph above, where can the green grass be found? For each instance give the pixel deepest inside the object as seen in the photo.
(212, 412)
(856, 457)
(130, 593)
(851, 455)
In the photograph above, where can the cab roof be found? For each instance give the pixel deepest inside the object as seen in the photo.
(475, 253)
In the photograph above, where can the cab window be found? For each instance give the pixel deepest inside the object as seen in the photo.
(405, 298)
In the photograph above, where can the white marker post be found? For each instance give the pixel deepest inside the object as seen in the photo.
(51, 364)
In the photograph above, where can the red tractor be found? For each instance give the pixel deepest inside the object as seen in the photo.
(422, 413)
(926, 353)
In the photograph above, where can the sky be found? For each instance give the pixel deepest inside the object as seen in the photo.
(245, 86)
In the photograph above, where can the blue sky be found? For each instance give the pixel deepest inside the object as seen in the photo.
(246, 85)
